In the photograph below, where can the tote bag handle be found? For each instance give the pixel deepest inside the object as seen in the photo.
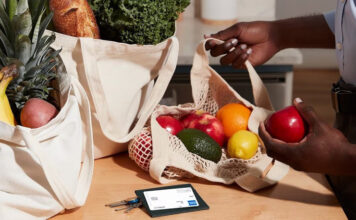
(67, 199)
(260, 93)
(160, 87)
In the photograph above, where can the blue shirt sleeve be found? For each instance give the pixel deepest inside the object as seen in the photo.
(330, 19)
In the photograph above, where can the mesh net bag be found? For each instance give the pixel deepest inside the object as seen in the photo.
(171, 160)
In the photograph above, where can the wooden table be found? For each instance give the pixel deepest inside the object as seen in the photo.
(297, 196)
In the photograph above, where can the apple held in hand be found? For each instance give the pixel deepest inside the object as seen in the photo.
(286, 125)
(171, 124)
(207, 123)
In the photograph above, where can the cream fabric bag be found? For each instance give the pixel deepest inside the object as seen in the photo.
(42, 171)
(124, 84)
(171, 160)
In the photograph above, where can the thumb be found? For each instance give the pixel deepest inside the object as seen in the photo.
(306, 111)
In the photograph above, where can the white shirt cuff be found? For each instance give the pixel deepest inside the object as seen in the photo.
(330, 19)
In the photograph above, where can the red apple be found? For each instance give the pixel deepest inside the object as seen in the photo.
(286, 125)
(171, 124)
(207, 123)
(141, 150)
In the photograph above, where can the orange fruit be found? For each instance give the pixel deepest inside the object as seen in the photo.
(234, 117)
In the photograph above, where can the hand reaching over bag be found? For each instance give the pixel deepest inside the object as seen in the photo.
(74, 18)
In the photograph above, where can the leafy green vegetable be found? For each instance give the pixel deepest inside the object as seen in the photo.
(137, 21)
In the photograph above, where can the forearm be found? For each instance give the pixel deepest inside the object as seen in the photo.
(304, 32)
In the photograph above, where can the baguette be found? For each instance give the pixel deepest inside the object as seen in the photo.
(74, 18)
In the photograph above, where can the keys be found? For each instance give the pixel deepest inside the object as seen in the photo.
(129, 204)
(130, 207)
(124, 202)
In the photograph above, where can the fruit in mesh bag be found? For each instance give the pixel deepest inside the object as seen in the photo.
(207, 123)
(234, 117)
(23, 43)
(243, 144)
(171, 124)
(140, 149)
(199, 143)
(286, 125)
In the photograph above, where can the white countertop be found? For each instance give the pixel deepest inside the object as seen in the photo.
(190, 32)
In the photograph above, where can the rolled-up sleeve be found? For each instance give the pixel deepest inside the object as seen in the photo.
(330, 19)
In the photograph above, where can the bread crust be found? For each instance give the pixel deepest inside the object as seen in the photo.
(74, 18)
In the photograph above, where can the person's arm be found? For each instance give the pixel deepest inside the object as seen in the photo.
(305, 32)
(259, 41)
(323, 150)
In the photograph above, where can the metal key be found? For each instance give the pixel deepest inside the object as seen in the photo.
(129, 201)
(129, 207)
(133, 206)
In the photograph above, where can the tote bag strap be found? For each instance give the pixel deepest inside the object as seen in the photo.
(260, 93)
(159, 88)
(67, 198)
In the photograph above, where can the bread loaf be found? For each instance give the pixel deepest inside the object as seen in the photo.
(74, 17)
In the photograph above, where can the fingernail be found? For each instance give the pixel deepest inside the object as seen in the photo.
(227, 45)
(232, 49)
(249, 51)
(243, 46)
(234, 41)
(298, 100)
(207, 35)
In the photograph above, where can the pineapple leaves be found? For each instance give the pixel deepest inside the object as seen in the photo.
(23, 48)
(6, 45)
(22, 6)
(22, 41)
(35, 34)
(45, 24)
(3, 59)
(22, 23)
(5, 22)
(36, 7)
(7, 32)
(11, 6)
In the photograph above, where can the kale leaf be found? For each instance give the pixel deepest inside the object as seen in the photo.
(137, 21)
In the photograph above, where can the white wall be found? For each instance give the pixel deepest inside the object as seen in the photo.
(312, 58)
(292, 8)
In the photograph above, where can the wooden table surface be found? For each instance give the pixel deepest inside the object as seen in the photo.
(297, 196)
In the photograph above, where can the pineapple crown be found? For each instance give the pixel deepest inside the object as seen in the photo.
(22, 42)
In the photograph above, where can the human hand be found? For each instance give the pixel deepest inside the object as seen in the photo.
(255, 41)
(323, 150)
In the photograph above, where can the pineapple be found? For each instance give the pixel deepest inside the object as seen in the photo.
(22, 42)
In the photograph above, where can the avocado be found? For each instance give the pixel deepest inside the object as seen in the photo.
(198, 142)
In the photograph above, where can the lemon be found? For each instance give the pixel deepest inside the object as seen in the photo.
(242, 144)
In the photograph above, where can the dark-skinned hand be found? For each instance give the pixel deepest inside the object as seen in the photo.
(323, 150)
(255, 41)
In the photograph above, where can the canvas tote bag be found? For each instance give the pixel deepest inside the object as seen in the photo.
(171, 160)
(48, 169)
(123, 82)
